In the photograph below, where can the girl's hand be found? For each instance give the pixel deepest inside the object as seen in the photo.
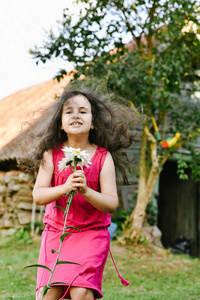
(79, 182)
(76, 182)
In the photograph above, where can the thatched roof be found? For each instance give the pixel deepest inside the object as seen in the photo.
(20, 106)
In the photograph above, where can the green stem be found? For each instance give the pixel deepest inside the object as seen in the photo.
(64, 227)
(65, 221)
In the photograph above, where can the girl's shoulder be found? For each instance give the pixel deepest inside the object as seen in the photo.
(100, 156)
(47, 156)
(47, 162)
(100, 151)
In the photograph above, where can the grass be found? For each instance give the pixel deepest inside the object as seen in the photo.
(153, 273)
(16, 283)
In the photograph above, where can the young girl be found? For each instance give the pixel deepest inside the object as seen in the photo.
(79, 119)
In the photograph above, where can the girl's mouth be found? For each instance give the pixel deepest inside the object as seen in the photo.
(76, 124)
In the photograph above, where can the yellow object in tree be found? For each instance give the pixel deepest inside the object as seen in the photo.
(157, 133)
(171, 142)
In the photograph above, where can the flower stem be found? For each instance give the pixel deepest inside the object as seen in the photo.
(71, 196)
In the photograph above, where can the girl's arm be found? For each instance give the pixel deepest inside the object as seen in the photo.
(42, 192)
(107, 199)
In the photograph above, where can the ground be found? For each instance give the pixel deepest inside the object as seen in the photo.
(153, 273)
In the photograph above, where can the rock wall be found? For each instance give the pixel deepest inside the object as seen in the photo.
(16, 200)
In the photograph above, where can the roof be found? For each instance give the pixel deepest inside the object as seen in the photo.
(18, 107)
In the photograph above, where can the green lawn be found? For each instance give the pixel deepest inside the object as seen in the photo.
(152, 275)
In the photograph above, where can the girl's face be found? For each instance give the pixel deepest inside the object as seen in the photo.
(77, 116)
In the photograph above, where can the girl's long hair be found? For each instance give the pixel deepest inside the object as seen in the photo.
(113, 122)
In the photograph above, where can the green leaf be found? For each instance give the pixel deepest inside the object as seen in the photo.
(45, 290)
(67, 262)
(64, 235)
(58, 282)
(38, 266)
(69, 163)
(71, 227)
(54, 250)
(59, 207)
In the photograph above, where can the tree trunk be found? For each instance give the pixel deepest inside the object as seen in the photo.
(133, 232)
(142, 164)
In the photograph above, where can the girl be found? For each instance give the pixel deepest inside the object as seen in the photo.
(79, 119)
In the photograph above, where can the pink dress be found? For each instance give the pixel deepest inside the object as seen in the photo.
(89, 247)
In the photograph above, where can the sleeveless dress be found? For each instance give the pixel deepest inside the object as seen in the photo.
(88, 248)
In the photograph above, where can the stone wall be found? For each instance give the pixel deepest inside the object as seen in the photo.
(16, 200)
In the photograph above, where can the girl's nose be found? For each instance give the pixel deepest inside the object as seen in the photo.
(76, 114)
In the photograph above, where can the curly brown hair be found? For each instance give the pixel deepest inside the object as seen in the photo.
(112, 121)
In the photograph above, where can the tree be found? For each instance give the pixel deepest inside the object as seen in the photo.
(147, 51)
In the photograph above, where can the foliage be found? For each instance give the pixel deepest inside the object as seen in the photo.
(119, 217)
(23, 236)
(157, 70)
(195, 166)
(148, 52)
(182, 165)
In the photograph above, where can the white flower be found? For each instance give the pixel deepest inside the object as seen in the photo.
(72, 154)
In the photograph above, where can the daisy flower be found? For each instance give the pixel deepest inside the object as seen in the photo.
(74, 157)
